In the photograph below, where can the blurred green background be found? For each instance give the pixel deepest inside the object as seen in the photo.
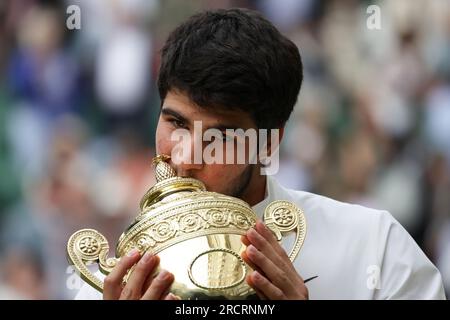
(78, 110)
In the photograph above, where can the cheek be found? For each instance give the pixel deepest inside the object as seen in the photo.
(219, 178)
(163, 142)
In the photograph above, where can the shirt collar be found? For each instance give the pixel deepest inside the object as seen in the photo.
(272, 189)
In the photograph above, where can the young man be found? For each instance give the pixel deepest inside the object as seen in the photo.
(233, 69)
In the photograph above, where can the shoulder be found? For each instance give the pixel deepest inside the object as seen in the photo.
(373, 236)
(336, 224)
(340, 215)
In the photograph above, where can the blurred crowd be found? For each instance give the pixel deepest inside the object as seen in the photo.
(78, 111)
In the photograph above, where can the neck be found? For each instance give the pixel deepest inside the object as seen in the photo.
(256, 190)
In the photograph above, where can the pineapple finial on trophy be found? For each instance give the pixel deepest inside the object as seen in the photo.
(163, 170)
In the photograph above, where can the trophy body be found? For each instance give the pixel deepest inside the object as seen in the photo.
(196, 234)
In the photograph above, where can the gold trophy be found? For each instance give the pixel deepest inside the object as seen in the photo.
(196, 233)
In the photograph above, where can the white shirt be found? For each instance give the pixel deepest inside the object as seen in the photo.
(355, 252)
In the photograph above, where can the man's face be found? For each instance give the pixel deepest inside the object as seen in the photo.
(178, 112)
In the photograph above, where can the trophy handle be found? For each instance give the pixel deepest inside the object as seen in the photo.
(89, 246)
(282, 217)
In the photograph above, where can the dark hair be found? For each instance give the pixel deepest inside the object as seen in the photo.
(233, 59)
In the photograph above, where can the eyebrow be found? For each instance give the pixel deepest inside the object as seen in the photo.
(170, 112)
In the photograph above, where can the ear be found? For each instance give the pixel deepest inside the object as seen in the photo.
(270, 144)
(269, 156)
(281, 134)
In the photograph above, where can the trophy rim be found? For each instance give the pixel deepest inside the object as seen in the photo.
(190, 203)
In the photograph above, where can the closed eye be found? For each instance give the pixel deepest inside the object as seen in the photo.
(179, 124)
(175, 118)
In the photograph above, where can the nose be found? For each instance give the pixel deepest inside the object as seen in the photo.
(188, 169)
(187, 157)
